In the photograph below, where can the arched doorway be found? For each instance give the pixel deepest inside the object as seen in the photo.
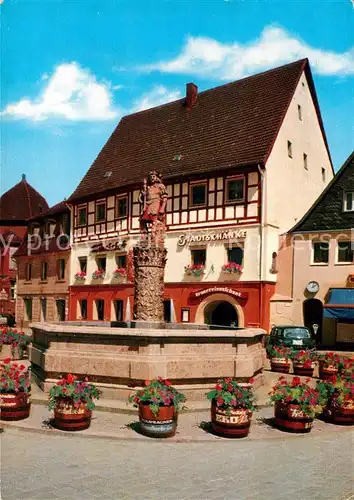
(220, 313)
(211, 306)
(313, 314)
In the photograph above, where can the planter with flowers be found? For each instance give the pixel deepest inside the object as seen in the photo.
(159, 404)
(303, 362)
(196, 270)
(280, 359)
(232, 407)
(12, 343)
(338, 399)
(329, 365)
(72, 402)
(232, 268)
(15, 386)
(120, 273)
(295, 404)
(80, 276)
(98, 274)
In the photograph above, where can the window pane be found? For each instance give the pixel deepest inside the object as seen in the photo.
(320, 252)
(82, 216)
(235, 254)
(100, 212)
(235, 190)
(349, 202)
(122, 261)
(198, 257)
(101, 263)
(198, 194)
(83, 264)
(345, 251)
(83, 308)
(118, 307)
(122, 207)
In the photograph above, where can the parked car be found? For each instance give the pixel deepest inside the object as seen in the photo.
(297, 337)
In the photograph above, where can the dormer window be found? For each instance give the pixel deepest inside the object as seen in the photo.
(348, 202)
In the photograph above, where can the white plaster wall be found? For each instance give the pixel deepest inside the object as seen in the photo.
(290, 188)
(179, 257)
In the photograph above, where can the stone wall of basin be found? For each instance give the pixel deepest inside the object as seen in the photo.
(119, 359)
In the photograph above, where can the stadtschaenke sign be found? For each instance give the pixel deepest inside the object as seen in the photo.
(103, 246)
(220, 289)
(187, 238)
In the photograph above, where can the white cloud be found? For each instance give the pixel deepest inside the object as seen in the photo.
(156, 96)
(71, 93)
(206, 57)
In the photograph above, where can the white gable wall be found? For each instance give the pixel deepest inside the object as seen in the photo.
(290, 188)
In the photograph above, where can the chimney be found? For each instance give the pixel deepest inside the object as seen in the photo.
(191, 95)
(23, 177)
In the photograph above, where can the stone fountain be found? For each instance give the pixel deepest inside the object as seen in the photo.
(121, 356)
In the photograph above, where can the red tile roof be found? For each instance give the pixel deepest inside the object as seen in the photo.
(230, 126)
(59, 208)
(21, 202)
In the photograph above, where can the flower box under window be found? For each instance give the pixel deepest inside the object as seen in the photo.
(120, 272)
(98, 274)
(232, 268)
(80, 276)
(194, 270)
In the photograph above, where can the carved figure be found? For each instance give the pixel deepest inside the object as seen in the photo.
(153, 199)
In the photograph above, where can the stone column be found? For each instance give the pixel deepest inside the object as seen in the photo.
(149, 266)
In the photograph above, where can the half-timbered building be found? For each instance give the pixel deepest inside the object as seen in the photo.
(242, 163)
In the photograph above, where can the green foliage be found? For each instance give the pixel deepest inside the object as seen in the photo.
(299, 393)
(77, 391)
(157, 393)
(14, 377)
(228, 394)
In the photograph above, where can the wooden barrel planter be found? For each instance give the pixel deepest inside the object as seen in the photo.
(234, 423)
(327, 372)
(14, 406)
(67, 417)
(291, 418)
(280, 365)
(302, 371)
(163, 425)
(340, 414)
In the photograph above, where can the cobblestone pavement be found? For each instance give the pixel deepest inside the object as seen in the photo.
(42, 467)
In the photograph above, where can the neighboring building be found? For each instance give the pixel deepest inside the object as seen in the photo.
(16, 206)
(43, 263)
(241, 162)
(316, 277)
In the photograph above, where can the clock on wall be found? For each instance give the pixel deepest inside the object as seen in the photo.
(313, 287)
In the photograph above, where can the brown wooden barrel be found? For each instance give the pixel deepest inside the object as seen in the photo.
(326, 373)
(300, 370)
(69, 418)
(280, 365)
(341, 415)
(235, 423)
(161, 426)
(14, 406)
(291, 418)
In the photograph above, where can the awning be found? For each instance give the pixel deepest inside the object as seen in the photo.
(340, 304)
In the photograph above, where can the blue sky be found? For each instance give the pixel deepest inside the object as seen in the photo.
(71, 69)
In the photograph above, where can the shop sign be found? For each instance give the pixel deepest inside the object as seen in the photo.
(104, 246)
(220, 289)
(187, 238)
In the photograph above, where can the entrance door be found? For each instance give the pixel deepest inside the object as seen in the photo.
(61, 310)
(313, 314)
(221, 313)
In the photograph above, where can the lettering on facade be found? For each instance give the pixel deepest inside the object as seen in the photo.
(220, 289)
(104, 246)
(186, 238)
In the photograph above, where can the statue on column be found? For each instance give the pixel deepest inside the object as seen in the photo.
(153, 199)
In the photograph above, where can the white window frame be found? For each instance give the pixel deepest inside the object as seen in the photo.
(346, 262)
(345, 201)
(313, 263)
